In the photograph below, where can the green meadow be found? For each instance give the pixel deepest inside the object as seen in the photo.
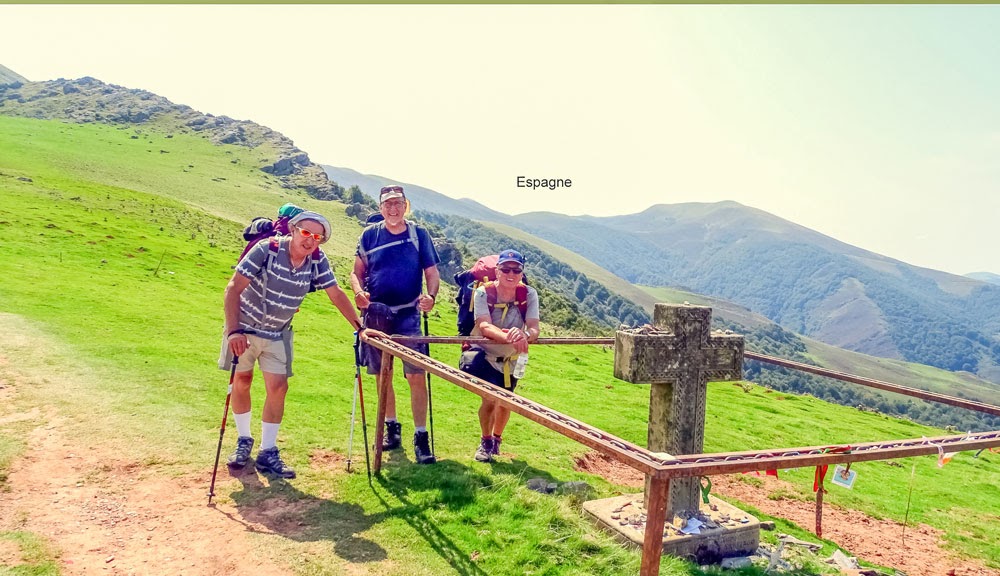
(116, 250)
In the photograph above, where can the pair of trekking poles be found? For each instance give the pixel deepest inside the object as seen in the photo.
(358, 392)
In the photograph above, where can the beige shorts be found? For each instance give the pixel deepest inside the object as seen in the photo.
(274, 356)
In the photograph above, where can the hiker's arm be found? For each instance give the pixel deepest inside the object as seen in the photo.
(343, 303)
(433, 279)
(532, 330)
(238, 343)
(360, 271)
(531, 319)
(516, 337)
(490, 331)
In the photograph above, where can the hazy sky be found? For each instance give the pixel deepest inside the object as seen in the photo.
(877, 125)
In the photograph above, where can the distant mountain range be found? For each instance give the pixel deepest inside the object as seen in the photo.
(803, 280)
(422, 198)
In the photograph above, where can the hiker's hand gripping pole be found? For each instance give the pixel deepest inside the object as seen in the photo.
(430, 397)
(222, 429)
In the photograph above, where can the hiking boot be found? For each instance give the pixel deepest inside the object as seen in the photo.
(485, 451)
(495, 448)
(269, 462)
(240, 456)
(422, 449)
(393, 436)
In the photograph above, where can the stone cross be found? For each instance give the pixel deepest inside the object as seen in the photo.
(679, 356)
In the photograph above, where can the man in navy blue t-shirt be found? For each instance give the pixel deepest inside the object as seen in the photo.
(394, 259)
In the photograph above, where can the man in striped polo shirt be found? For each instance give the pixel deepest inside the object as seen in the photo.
(263, 295)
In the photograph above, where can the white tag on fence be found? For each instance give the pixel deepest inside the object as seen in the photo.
(844, 477)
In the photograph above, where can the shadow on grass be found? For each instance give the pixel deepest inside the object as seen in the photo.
(407, 492)
(284, 509)
(447, 484)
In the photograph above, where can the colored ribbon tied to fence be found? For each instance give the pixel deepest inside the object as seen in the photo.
(821, 470)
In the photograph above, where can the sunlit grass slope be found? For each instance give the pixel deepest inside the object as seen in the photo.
(119, 258)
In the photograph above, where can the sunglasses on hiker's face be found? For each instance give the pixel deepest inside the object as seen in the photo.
(511, 270)
(307, 234)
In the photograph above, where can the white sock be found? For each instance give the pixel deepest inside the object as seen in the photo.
(268, 435)
(420, 429)
(393, 419)
(242, 423)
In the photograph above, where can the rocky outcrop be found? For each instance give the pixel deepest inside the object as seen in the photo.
(90, 100)
(8, 76)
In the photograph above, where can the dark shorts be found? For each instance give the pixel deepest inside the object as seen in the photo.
(474, 362)
(405, 322)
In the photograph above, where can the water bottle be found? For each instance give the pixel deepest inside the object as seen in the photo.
(519, 365)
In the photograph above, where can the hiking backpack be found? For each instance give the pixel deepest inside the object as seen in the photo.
(262, 227)
(484, 271)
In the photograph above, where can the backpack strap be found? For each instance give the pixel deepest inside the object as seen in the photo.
(314, 258)
(520, 301)
(412, 228)
(272, 255)
(379, 226)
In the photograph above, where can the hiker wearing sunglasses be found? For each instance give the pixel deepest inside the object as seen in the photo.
(279, 273)
(506, 313)
(395, 258)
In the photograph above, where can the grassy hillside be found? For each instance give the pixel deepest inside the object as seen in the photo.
(116, 257)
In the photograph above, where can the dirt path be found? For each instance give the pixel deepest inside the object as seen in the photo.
(108, 516)
(104, 514)
(876, 541)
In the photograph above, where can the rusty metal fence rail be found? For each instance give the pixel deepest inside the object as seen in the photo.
(661, 468)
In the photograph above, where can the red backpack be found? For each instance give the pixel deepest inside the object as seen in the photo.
(484, 271)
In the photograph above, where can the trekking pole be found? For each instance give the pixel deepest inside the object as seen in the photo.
(222, 429)
(430, 398)
(361, 395)
(350, 438)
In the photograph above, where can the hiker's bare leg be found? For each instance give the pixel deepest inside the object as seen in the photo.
(486, 412)
(240, 400)
(274, 404)
(500, 418)
(418, 398)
